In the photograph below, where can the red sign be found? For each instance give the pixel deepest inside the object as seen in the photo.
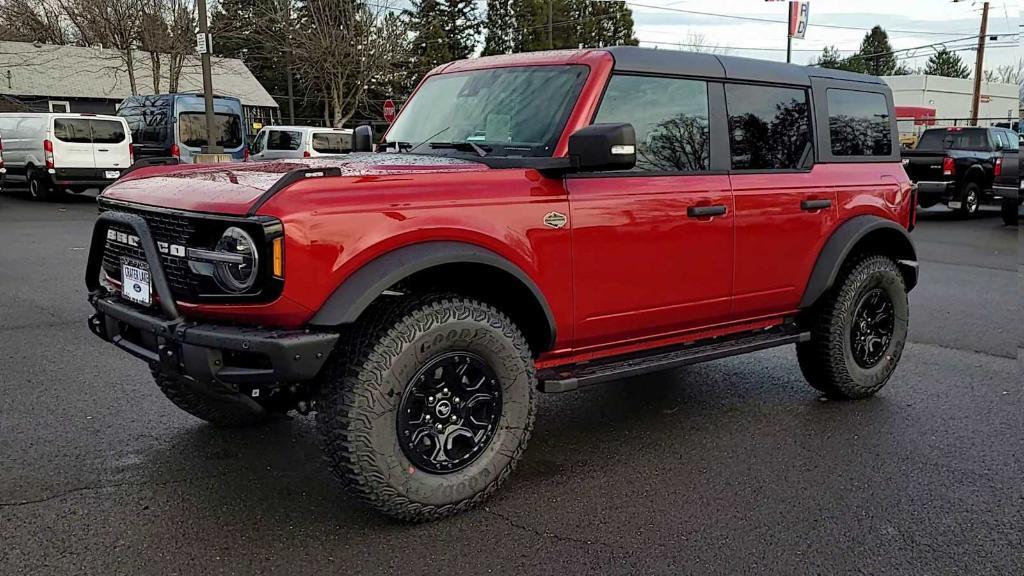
(798, 15)
(390, 110)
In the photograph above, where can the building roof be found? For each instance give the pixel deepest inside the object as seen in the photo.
(928, 83)
(54, 71)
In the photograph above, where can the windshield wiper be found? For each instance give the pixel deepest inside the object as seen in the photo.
(465, 146)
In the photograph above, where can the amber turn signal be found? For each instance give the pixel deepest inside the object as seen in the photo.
(279, 257)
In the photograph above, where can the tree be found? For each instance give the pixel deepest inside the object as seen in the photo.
(113, 23)
(340, 46)
(166, 30)
(444, 30)
(876, 54)
(1007, 73)
(498, 26)
(33, 21)
(946, 63)
(831, 58)
(523, 25)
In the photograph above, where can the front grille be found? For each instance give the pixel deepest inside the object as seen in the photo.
(165, 227)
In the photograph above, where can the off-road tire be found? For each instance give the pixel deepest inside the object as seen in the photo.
(39, 188)
(363, 384)
(1010, 212)
(970, 200)
(827, 359)
(216, 405)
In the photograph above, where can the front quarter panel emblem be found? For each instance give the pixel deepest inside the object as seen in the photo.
(555, 219)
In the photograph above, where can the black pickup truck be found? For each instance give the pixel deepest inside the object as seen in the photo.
(963, 167)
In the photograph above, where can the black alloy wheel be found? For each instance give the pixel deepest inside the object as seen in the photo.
(449, 412)
(872, 328)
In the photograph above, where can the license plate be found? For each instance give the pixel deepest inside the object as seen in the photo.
(955, 205)
(112, 174)
(135, 284)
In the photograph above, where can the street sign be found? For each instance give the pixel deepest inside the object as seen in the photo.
(204, 43)
(390, 110)
(798, 15)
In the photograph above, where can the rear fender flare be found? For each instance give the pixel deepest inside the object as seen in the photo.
(355, 294)
(846, 239)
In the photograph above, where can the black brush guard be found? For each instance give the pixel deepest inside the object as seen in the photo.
(205, 352)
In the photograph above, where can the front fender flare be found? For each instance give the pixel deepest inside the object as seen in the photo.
(355, 294)
(843, 242)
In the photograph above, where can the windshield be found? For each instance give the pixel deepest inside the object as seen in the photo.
(505, 111)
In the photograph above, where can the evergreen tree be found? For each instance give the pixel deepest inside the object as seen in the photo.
(831, 58)
(444, 30)
(522, 25)
(500, 25)
(875, 55)
(946, 63)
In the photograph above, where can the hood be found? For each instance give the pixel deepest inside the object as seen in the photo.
(234, 188)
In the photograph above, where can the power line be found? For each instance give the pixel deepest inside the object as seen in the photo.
(773, 21)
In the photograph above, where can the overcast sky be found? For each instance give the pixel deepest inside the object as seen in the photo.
(911, 23)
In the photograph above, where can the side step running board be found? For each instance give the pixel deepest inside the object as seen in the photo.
(566, 378)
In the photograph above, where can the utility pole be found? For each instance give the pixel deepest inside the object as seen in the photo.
(979, 65)
(789, 47)
(211, 141)
(551, 42)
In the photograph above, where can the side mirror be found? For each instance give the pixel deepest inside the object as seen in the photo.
(603, 147)
(362, 139)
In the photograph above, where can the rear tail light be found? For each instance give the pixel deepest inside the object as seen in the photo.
(175, 151)
(998, 169)
(131, 154)
(48, 153)
(245, 157)
(306, 154)
(948, 168)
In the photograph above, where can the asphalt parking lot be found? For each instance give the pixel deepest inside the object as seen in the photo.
(730, 467)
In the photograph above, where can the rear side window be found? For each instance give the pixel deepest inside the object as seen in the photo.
(769, 127)
(954, 139)
(670, 116)
(107, 131)
(283, 140)
(74, 130)
(858, 123)
(1014, 140)
(332, 142)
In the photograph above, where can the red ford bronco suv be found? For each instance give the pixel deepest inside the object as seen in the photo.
(529, 223)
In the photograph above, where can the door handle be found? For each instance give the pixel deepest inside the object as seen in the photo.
(810, 205)
(705, 211)
(103, 150)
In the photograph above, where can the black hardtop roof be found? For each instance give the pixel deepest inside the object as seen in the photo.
(677, 63)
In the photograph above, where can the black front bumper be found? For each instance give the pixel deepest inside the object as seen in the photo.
(205, 352)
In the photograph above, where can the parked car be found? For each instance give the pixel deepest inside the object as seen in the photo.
(538, 223)
(964, 167)
(54, 152)
(279, 142)
(174, 125)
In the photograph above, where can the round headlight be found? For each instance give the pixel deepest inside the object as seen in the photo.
(237, 273)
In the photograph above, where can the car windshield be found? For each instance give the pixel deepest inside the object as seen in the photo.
(517, 111)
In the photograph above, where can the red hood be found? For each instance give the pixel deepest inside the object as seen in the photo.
(234, 188)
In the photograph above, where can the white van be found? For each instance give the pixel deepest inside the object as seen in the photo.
(54, 152)
(276, 142)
